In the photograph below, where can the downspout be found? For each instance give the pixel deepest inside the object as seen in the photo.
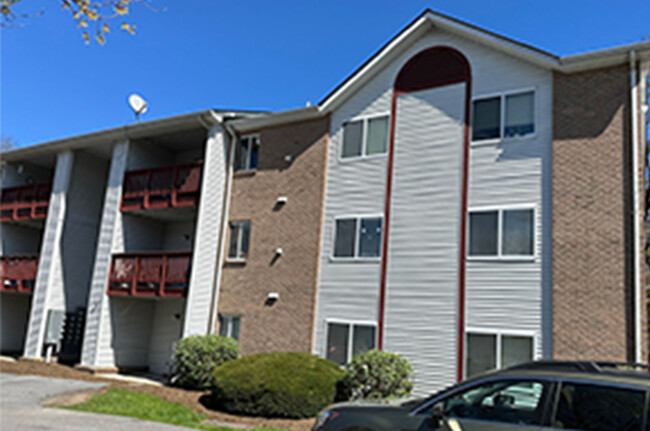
(636, 212)
(224, 223)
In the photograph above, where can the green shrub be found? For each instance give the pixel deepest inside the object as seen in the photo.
(198, 355)
(290, 385)
(375, 375)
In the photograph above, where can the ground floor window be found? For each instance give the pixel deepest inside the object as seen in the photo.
(229, 326)
(346, 339)
(492, 350)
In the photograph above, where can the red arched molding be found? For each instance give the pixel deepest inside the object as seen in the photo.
(434, 67)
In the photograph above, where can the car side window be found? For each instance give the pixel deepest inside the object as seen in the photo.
(592, 407)
(508, 401)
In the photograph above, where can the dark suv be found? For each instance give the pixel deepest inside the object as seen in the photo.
(544, 395)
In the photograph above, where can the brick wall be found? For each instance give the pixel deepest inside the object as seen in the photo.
(592, 216)
(294, 227)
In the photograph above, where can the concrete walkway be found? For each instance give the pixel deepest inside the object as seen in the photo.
(21, 397)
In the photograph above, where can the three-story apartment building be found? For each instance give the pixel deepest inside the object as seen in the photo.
(462, 199)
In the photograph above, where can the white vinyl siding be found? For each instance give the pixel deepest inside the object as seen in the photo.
(514, 171)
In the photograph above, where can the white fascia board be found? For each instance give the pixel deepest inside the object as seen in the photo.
(133, 131)
(501, 43)
(604, 57)
(253, 124)
(387, 53)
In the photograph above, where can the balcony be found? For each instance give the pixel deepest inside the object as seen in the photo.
(166, 187)
(159, 274)
(18, 273)
(28, 202)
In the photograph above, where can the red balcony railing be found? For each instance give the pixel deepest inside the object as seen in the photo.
(25, 202)
(169, 186)
(18, 273)
(165, 274)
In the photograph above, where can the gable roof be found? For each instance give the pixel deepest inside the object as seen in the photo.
(429, 19)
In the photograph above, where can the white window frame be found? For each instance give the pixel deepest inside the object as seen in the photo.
(240, 233)
(500, 333)
(228, 320)
(356, 257)
(258, 143)
(500, 256)
(503, 95)
(364, 133)
(351, 324)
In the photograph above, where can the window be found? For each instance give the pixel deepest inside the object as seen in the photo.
(247, 153)
(486, 351)
(358, 237)
(240, 232)
(365, 137)
(345, 340)
(599, 408)
(506, 401)
(229, 326)
(504, 116)
(502, 233)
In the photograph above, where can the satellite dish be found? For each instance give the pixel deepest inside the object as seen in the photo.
(138, 105)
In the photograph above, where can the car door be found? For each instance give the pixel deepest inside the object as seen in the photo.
(598, 406)
(494, 405)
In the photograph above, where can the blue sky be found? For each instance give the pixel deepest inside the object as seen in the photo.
(269, 55)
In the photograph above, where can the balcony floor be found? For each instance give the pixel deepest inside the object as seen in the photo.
(167, 214)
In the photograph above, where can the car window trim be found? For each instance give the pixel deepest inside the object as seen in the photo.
(469, 385)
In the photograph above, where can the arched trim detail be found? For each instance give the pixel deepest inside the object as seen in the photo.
(433, 67)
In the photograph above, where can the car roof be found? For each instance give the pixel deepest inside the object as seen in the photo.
(601, 372)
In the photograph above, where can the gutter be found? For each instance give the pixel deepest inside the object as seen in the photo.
(638, 321)
(224, 222)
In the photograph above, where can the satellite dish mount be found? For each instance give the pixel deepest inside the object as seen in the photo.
(138, 105)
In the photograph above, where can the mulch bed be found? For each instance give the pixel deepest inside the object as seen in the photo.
(191, 399)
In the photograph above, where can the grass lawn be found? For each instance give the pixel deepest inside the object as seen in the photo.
(148, 407)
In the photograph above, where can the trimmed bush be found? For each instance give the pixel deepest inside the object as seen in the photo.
(198, 355)
(376, 375)
(287, 385)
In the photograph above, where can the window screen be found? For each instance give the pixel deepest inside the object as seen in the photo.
(486, 121)
(483, 233)
(370, 237)
(377, 139)
(239, 240)
(352, 135)
(517, 232)
(345, 237)
(515, 350)
(337, 342)
(520, 115)
(481, 353)
(363, 339)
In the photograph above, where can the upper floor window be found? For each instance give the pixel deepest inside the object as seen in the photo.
(502, 233)
(344, 340)
(358, 237)
(365, 137)
(504, 116)
(247, 153)
(240, 232)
